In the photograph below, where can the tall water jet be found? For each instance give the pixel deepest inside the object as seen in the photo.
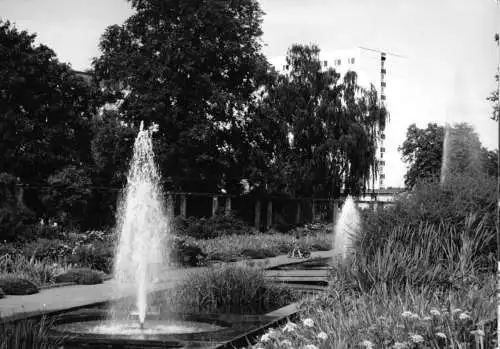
(347, 226)
(143, 224)
(446, 157)
(461, 152)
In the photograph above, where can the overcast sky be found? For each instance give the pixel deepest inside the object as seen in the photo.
(446, 77)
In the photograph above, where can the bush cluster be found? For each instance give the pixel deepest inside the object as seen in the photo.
(14, 285)
(93, 250)
(209, 228)
(80, 276)
(182, 253)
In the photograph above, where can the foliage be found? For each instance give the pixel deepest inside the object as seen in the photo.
(92, 250)
(40, 272)
(438, 257)
(184, 254)
(235, 247)
(50, 249)
(28, 334)
(14, 285)
(14, 216)
(493, 98)
(423, 151)
(111, 148)
(97, 256)
(68, 195)
(44, 109)
(334, 128)
(189, 67)
(225, 289)
(209, 228)
(80, 276)
(2, 294)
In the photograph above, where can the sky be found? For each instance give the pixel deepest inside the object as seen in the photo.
(447, 73)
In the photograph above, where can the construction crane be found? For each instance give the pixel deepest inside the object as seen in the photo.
(383, 85)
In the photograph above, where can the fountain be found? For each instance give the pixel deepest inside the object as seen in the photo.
(346, 227)
(143, 227)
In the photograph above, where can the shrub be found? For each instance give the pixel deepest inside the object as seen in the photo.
(68, 195)
(258, 254)
(208, 228)
(2, 293)
(14, 285)
(232, 247)
(225, 289)
(80, 276)
(14, 218)
(184, 254)
(52, 249)
(97, 255)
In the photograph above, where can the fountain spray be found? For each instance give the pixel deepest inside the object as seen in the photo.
(143, 224)
(346, 227)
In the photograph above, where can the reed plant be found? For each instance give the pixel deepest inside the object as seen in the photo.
(28, 334)
(225, 289)
(40, 272)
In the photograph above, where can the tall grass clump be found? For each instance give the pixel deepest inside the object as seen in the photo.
(225, 289)
(27, 334)
(425, 255)
(40, 272)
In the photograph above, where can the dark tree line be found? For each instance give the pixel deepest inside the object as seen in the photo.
(225, 114)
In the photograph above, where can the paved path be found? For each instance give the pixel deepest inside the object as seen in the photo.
(69, 297)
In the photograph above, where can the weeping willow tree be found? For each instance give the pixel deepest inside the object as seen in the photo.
(332, 126)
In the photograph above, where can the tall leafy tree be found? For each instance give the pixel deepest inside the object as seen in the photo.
(422, 151)
(325, 130)
(190, 67)
(44, 110)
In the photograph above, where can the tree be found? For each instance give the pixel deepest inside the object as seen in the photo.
(463, 154)
(190, 67)
(422, 151)
(44, 110)
(322, 131)
(493, 98)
